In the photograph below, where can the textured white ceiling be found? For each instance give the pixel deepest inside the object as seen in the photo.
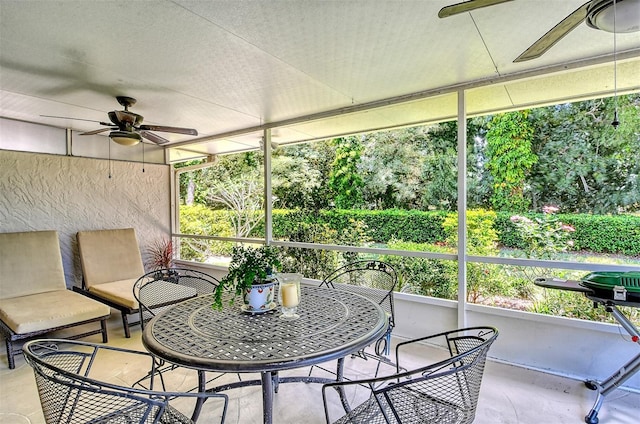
(224, 66)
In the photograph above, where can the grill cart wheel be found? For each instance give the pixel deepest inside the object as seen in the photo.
(591, 385)
(592, 418)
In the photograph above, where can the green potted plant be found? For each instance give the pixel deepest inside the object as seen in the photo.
(250, 275)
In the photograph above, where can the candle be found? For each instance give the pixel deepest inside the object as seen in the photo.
(290, 295)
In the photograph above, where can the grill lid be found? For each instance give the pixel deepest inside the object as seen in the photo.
(608, 280)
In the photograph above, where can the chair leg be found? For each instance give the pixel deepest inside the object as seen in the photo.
(10, 359)
(125, 324)
(103, 330)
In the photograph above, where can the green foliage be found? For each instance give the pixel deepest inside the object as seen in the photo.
(201, 220)
(580, 164)
(248, 266)
(585, 164)
(575, 305)
(195, 185)
(510, 158)
(316, 263)
(544, 237)
(299, 174)
(618, 234)
(390, 166)
(428, 277)
(615, 234)
(191, 185)
(439, 168)
(482, 239)
(345, 179)
(417, 226)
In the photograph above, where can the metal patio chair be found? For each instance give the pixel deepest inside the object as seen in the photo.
(376, 281)
(72, 389)
(160, 289)
(442, 392)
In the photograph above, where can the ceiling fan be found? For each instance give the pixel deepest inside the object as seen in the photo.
(127, 129)
(598, 14)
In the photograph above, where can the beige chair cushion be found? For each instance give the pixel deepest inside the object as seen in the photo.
(42, 311)
(110, 255)
(119, 292)
(30, 262)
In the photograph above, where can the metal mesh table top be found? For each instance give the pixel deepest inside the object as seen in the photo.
(332, 324)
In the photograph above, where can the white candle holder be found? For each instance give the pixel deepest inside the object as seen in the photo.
(289, 294)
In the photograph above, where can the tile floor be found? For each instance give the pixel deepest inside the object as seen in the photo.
(509, 395)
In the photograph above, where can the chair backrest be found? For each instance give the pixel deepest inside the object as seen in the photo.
(109, 255)
(447, 391)
(69, 394)
(158, 290)
(30, 263)
(374, 280)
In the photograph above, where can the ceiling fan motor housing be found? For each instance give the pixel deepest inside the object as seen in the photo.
(125, 120)
(625, 18)
(600, 15)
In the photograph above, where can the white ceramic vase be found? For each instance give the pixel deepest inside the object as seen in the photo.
(259, 297)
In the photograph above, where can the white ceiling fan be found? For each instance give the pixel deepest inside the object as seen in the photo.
(599, 14)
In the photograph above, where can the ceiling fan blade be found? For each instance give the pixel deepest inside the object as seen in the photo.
(75, 119)
(555, 34)
(154, 137)
(177, 130)
(96, 131)
(467, 6)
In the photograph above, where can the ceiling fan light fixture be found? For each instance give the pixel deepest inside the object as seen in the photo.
(626, 18)
(125, 138)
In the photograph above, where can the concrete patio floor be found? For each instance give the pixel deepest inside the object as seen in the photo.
(509, 394)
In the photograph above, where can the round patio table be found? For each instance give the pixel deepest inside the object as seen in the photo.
(332, 324)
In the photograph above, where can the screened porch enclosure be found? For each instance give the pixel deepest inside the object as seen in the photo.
(261, 78)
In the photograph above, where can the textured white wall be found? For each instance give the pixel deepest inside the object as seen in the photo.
(69, 194)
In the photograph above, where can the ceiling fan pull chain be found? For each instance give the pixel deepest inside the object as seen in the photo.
(109, 144)
(142, 157)
(615, 121)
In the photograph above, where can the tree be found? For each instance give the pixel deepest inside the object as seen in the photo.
(344, 179)
(510, 158)
(243, 198)
(299, 175)
(390, 167)
(235, 183)
(440, 168)
(585, 164)
(189, 183)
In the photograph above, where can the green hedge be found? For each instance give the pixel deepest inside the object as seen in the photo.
(613, 234)
(382, 226)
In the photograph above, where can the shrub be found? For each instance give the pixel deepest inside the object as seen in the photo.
(308, 228)
(428, 277)
(482, 279)
(615, 234)
(546, 236)
(200, 220)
